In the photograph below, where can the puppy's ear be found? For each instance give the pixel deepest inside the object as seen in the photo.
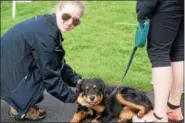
(79, 86)
(106, 92)
(104, 89)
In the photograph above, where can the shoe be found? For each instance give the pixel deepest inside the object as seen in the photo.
(173, 113)
(33, 114)
(173, 117)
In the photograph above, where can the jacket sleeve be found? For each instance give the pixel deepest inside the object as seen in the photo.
(144, 9)
(47, 61)
(70, 76)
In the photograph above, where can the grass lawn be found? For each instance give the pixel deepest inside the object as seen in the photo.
(101, 45)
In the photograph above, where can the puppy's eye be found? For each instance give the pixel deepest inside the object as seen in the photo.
(94, 86)
(87, 88)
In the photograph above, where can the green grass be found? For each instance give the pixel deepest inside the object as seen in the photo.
(101, 45)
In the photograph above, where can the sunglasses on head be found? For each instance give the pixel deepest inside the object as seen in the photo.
(66, 17)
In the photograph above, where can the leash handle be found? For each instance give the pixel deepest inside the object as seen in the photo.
(127, 68)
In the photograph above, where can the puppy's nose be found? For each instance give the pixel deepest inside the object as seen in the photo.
(92, 98)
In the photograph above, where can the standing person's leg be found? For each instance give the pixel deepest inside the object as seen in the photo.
(177, 83)
(162, 77)
(174, 108)
(163, 31)
(177, 58)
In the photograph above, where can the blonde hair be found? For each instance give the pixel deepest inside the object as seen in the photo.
(80, 4)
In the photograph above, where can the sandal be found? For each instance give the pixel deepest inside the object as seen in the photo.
(33, 114)
(171, 116)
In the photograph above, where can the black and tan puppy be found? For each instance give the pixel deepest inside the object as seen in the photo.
(94, 100)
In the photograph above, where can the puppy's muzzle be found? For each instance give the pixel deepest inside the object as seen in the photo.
(92, 97)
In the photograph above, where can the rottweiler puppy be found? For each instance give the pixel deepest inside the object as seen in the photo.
(94, 101)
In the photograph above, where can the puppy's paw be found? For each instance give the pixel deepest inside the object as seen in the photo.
(90, 112)
(140, 114)
(121, 121)
(74, 121)
(95, 121)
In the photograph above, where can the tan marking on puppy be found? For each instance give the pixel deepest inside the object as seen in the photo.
(78, 116)
(141, 113)
(84, 101)
(122, 101)
(126, 114)
(98, 108)
(95, 120)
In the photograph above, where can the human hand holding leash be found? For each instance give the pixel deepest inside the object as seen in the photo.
(142, 33)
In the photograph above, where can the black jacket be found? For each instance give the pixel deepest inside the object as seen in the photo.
(32, 59)
(146, 8)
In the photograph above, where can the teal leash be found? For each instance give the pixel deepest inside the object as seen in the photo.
(124, 75)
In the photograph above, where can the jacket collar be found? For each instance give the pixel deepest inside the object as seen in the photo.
(52, 19)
